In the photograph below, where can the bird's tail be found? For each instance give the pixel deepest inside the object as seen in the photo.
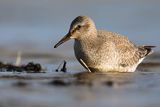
(149, 49)
(144, 50)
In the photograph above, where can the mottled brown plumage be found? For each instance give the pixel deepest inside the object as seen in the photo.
(99, 50)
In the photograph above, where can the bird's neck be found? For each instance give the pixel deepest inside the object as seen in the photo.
(88, 41)
(89, 35)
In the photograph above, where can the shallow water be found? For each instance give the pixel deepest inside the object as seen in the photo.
(80, 88)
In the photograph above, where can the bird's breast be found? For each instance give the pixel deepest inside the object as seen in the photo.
(84, 52)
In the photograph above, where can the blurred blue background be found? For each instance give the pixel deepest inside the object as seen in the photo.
(29, 25)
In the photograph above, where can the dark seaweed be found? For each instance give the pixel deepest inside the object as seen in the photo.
(29, 68)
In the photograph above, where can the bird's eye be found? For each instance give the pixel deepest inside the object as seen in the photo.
(79, 26)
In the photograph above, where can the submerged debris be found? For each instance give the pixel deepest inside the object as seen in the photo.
(109, 83)
(59, 83)
(57, 70)
(63, 69)
(20, 84)
(29, 68)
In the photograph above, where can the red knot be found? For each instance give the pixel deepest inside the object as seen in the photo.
(104, 51)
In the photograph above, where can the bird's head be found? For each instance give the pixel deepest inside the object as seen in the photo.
(80, 27)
